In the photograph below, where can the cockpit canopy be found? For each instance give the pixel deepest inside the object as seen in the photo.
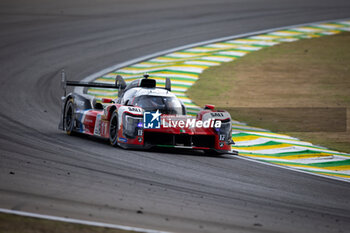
(165, 104)
(145, 94)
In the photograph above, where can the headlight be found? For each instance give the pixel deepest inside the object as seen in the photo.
(225, 131)
(132, 126)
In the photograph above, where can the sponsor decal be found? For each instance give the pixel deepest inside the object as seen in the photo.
(122, 139)
(88, 120)
(97, 130)
(217, 114)
(151, 120)
(131, 109)
(104, 128)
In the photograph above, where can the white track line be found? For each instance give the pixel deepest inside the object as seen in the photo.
(78, 221)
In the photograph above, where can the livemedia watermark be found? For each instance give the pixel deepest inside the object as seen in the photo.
(154, 120)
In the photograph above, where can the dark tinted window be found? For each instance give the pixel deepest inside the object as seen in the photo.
(165, 105)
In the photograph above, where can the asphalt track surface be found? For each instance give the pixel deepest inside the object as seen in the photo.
(43, 170)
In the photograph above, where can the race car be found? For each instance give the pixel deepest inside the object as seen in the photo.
(144, 116)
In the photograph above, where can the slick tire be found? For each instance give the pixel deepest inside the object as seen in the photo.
(69, 117)
(113, 129)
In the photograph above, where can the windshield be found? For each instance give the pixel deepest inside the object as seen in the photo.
(166, 105)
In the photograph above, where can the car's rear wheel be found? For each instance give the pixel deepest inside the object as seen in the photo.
(113, 129)
(69, 117)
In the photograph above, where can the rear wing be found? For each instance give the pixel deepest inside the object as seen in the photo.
(119, 83)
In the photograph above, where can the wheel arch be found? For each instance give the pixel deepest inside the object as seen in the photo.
(110, 111)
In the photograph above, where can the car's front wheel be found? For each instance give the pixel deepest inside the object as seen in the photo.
(113, 129)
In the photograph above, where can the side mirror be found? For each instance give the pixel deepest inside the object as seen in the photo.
(107, 100)
(209, 106)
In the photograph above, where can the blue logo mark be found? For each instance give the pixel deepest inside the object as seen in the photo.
(122, 139)
(151, 120)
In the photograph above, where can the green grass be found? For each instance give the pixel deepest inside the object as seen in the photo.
(307, 73)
